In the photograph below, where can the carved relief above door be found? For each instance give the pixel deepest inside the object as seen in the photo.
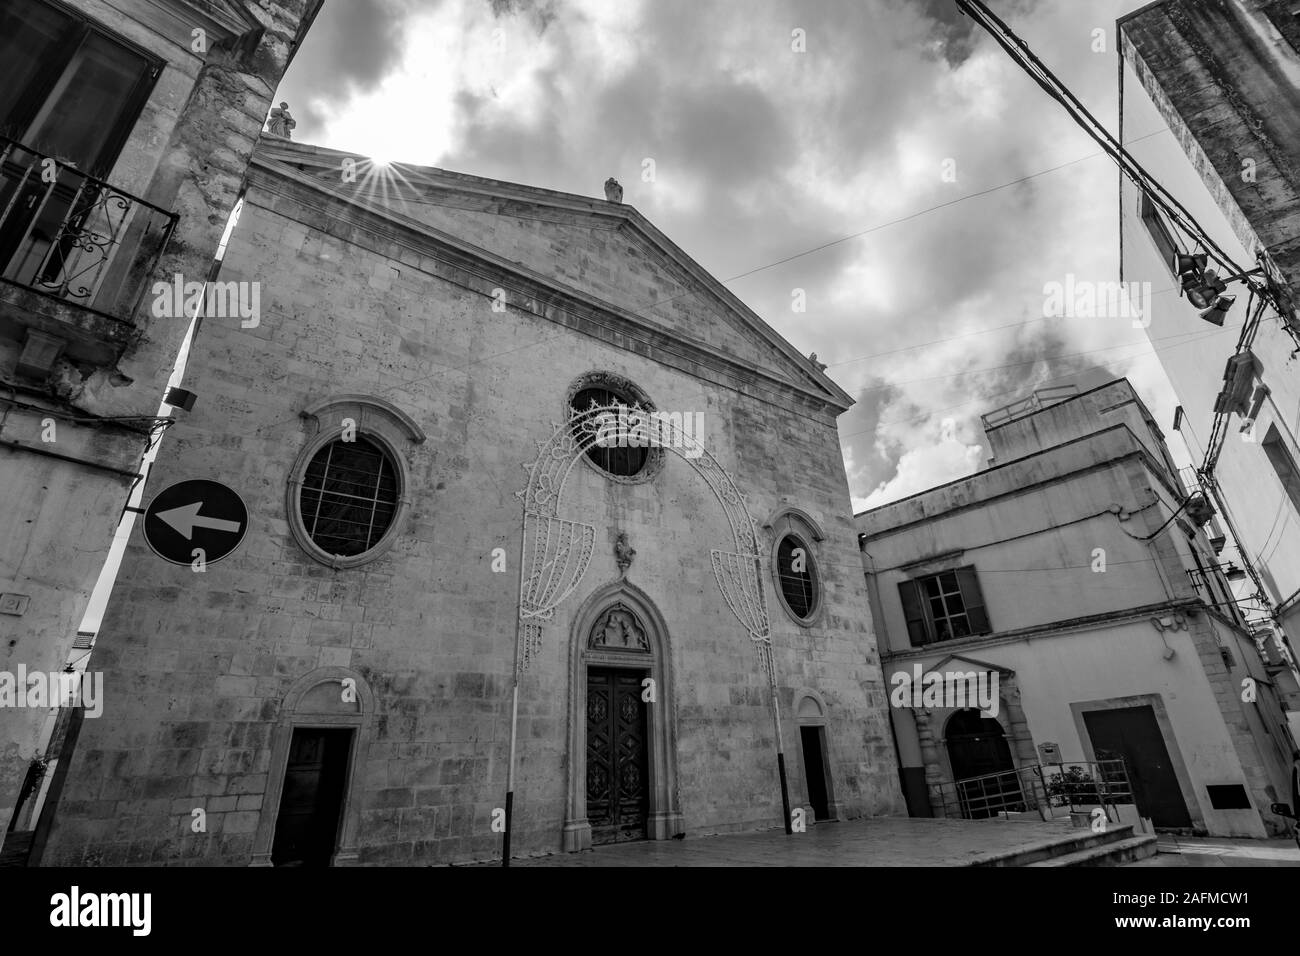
(619, 630)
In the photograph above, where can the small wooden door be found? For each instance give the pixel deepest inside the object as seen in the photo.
(618, 794)
(814, 768)
(315, 779)
(1134, 734)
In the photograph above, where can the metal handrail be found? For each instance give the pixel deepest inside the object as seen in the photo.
(1076, 783)
(64, 232)
(1038, 399)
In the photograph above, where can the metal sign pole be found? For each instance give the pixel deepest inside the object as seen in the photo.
(510, 773)
(769, 660)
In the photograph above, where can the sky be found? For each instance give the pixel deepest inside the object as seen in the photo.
(881, 162)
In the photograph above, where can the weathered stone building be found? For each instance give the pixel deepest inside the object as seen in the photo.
(339, 688)
(1224, 77)
(125, 130)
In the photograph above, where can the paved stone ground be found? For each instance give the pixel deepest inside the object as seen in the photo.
(886, 841)
(1222, 851)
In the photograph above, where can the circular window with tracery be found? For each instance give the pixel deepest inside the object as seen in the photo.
(349, 496)
(797, 575)
(625, 449)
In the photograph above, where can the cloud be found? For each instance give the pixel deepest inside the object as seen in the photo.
(944, 457)
(924, 292)
(350, 48)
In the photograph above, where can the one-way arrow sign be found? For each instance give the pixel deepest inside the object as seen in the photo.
(192, 515)
(185, 519)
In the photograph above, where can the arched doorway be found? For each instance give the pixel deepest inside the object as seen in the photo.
(311, 811)
(810, 718)
(977, 750)
(622, 755)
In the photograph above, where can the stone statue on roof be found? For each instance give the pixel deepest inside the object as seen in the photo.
(281, 122)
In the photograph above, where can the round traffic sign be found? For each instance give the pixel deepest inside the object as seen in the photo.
(197, 514)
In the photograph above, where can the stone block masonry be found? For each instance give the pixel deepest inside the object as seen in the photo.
(186, 154)
(207, 674)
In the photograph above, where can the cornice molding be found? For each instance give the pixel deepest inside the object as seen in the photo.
(176, 19)
(274, 156)
(1135, 450)
(1091, 622)
(480, 271)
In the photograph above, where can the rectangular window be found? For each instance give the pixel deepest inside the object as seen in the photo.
(1159, 232)
(69, 89)
(944, 607)
(1280, 457)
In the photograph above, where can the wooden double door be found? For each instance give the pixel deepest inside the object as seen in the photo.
(618, 779)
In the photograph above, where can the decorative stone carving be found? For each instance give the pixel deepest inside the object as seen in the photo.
(618, 629)
(623, 553)
(934, 778)
(613, 191)
(617, 384)
(1170, 622)
(281, 123)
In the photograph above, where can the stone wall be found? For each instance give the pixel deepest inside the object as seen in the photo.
(198, 665)
(187, 153)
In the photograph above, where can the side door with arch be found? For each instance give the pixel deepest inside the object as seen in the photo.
(810, 717)
(980, 758)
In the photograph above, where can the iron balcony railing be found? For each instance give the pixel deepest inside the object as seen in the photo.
(73, 236)
(1049, 789)
(1039, 399)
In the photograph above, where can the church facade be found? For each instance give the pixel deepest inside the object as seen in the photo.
(483, 430)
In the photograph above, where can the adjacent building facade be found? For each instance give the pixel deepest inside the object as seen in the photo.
(1224, 77)
(338, 690)
(125, 130)
(1071, 578)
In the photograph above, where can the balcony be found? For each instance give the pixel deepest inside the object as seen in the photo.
(1040, 399)
(75, 254)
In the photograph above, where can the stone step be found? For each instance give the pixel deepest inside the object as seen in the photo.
(17, 846)
(1073, 841)
(1108, 854)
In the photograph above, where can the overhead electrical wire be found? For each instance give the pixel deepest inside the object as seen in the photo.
(1150, 187)
(1148, 184)
(825, 245)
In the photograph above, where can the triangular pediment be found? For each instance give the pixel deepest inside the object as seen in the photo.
(231, 17)
(606, 251)
(981, 665)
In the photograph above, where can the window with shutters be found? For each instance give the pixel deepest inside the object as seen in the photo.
(1280, 458)
(944, 607)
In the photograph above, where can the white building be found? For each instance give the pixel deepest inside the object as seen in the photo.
(1069, 575)
(1224, 78)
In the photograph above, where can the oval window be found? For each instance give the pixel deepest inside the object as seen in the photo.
(798, 576)
(348, 496)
